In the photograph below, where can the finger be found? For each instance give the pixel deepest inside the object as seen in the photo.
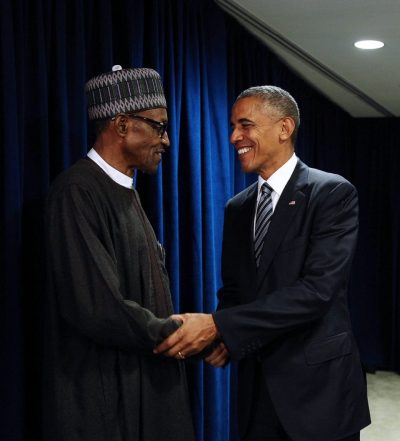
(180, 341)
(214, 354)
(187, 347)
(176, 351)
(179, 345)
(168, 343)
(219, 361)
(180, 317)
(219, 356)
(218, 350)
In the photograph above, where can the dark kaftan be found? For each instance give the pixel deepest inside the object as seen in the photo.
(102, 381)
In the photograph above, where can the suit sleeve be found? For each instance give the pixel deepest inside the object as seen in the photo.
(325, 273)
(228, 294)
(84, 276)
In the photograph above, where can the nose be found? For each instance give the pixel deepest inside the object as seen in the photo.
(236, 135)
(165, 139)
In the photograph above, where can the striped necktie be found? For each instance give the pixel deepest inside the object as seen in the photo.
(263, 219)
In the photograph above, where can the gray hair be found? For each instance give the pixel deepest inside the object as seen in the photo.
(277, 101)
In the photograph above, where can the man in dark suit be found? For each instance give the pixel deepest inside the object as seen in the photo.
(288, 245)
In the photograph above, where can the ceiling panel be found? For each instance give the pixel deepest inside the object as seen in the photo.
(316, 38)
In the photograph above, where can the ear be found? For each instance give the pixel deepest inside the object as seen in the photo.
(121, 125)
(287, 129)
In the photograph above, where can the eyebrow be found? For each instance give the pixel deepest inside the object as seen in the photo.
(243, 120)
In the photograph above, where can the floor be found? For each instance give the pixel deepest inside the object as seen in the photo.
(384, 404)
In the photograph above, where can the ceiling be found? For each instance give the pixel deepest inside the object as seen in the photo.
(316, 38)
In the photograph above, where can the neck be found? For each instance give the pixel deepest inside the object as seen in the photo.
(109, 152)
(269, 169)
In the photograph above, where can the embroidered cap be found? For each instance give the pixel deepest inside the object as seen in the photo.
(124, 91)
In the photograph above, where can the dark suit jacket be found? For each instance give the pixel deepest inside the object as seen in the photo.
(291, 314)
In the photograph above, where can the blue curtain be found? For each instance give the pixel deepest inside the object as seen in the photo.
(49, 49)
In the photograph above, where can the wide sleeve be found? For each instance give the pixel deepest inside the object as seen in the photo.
(325, 271)
(85, 285)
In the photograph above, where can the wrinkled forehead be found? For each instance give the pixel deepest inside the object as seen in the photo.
(158, 113)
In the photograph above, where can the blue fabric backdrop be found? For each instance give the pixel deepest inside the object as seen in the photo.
(49, 49)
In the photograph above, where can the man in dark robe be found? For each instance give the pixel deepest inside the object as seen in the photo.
(108, 298)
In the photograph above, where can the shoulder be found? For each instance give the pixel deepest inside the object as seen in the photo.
(85, 187)
(330, 191)
(243, 196)
(320, 176)
(84, 175)
(82, 172)
(322, 181)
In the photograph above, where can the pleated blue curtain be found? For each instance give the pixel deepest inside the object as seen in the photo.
(49, 49)
(193, 185)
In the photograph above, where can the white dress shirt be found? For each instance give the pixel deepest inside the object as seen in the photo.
(277, 181)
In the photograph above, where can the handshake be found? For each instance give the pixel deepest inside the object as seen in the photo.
(197, 333)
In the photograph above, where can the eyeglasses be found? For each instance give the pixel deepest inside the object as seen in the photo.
(161, 127)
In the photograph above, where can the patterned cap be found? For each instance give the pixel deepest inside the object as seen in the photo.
(124, 91)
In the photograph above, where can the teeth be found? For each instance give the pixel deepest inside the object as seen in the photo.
(244, 150)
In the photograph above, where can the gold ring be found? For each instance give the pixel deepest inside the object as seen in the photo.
(180, 355)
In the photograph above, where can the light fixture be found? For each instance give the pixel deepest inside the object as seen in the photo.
(369, 44)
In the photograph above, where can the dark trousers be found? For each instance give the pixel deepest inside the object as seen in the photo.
(265, 425)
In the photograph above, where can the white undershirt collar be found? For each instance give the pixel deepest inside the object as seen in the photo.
(112, 172)
(278, 180)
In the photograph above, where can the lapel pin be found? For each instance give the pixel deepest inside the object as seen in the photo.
(292, 203)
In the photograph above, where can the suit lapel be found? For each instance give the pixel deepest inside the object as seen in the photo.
(248, 211)
(288, 205)
(249, 208)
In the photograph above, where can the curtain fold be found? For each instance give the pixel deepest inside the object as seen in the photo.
(49, 49)
(376, 307)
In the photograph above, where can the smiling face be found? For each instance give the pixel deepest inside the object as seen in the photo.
(142, 147)
(260, 137)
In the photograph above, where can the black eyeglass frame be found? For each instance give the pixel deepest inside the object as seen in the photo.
(161, 126)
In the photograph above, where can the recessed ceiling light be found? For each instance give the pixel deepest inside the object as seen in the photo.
(369, 44)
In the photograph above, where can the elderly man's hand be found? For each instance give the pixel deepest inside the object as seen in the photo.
(197, 332)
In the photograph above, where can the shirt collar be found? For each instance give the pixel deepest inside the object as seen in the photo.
(112, 172)
(278, 180)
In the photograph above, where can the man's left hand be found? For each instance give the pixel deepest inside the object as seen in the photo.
(219, 357)
(197, 332)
